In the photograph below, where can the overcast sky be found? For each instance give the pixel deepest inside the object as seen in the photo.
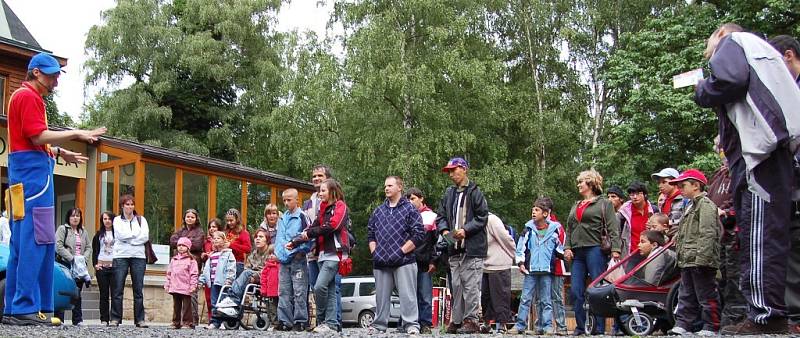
(61, 27)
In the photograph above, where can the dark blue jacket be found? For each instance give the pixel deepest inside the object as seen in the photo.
(390, 228)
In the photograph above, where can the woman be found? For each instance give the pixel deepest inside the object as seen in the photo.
(192, 230)
(73, 248)
(270, 223)
(586, 222)
(326, 231)
(130, 234)
(238, 237)
(103, 257)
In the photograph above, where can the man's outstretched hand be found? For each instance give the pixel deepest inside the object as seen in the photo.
(73, 157)
(91, 135)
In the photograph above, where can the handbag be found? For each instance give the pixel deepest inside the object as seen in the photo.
(149, 254)
(605, 241)
(345, 266)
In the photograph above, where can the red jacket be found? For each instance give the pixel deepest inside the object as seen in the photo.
(240, 244)
(269, 278)
(558, 264)
(327, 227)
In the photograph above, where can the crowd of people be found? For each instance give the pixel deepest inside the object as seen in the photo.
(717, 225)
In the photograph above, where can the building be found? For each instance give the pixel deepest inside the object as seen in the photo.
(164, 182)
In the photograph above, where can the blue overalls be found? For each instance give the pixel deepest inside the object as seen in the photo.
(29, 274)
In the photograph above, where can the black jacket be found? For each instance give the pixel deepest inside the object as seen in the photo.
(477, 213)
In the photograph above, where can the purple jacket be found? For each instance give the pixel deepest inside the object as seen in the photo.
(390, 228)
(181, 275)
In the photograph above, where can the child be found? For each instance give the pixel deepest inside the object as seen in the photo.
(181, 283)
(219, 270)
(660, 222)
(534, 254)
(269, 284)
(698, 257)
(651, 242)
(208, 248)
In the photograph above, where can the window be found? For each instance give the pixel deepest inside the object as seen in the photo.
(258, 196)
(348, 289)
(3, 94)
(106, 157)
(229, 195)
(107, 190)
(195, 195)
(127, 179)
(159, 202)
(366, 289)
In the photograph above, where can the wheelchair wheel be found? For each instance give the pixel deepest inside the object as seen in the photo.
(231, 324)
(644, 327)
(262, 322)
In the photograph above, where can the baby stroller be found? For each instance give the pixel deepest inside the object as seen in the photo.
(252, 302)
(643, 298)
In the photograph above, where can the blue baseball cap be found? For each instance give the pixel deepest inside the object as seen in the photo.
(45, 62)
(455, 162)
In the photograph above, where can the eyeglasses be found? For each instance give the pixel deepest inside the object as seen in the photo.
(631, 194)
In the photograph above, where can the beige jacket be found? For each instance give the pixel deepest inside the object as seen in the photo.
(500, 253)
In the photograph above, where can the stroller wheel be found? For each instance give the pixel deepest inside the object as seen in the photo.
(589, 325)
(231, 324)
(262, 322)
(644, 326)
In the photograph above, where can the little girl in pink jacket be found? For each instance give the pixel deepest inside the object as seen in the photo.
(181, 283)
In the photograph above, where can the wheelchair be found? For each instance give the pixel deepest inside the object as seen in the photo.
(252, 303)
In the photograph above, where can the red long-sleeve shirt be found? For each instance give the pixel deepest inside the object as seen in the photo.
(240, 244)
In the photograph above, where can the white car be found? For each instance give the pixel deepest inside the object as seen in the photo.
(358, 301)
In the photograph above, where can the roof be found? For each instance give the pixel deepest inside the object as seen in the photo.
(192, 160)
(14, 32)
(203, 162)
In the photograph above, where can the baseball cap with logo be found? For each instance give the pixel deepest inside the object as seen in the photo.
(693, 174)
(45, 62)
(454, 163)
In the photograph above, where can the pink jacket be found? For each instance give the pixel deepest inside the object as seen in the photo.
(269, 279)
(181, 275)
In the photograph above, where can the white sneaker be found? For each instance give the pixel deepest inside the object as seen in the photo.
(412, 330)
(706, 333)
(677, 331)
(228, 311)
(210, 326)
(324, 329)
(227, 302)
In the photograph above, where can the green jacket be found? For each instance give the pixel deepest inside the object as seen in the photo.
(699, 235)
(587, 232)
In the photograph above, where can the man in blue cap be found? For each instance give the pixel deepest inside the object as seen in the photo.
(29, 274)
(462, 217)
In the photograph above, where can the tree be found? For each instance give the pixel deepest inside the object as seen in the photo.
(198, 69)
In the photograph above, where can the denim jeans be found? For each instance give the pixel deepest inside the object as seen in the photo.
(338, 298)
(424, 298)
(293, 289)
(591, 261)
(122, 266)
(215, 289)
(556, 295)
(239, 268)
(313, 272)
(239, 284)
(325, 293)
(540, 286)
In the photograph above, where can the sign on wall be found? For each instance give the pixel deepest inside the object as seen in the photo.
(62, 168)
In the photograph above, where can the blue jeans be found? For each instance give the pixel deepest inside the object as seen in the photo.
(325, 293)
(239, 268)
(424, 298)
(239, 284)
(121, 268)
(338, 298)
(313, 272)
(292, 303)
(591, 261)
(215, 289)
(559, 313)
(541, 286)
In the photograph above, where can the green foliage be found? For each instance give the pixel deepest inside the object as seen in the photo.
(54, 117)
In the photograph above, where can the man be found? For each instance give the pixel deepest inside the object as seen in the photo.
(29, 274)
(319, 174)
(674, 204)
(293, 286)
(461, 219)
(790, 48)
(756, 102)
(394, 230)
(426, 260)
(633, 216)
(616, 197)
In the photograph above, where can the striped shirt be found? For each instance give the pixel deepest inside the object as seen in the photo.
(213, 259)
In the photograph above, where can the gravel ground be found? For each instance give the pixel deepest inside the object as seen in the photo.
(129, 331)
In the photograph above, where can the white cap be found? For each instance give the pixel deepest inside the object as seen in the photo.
(667, 172)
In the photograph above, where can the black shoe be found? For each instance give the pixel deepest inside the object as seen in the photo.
(34, 319)
(300, 327)
(142, 325)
